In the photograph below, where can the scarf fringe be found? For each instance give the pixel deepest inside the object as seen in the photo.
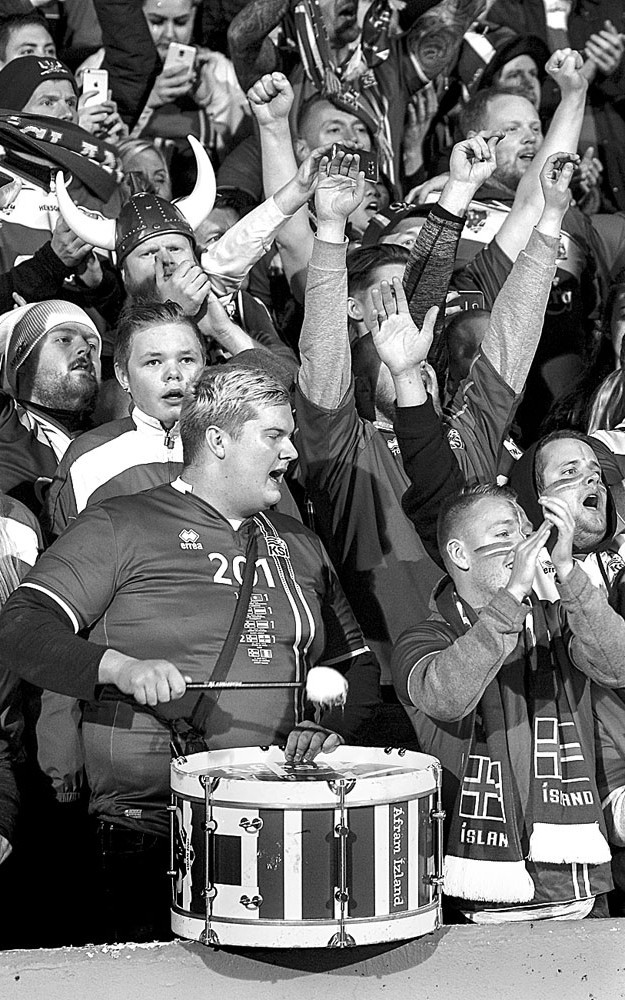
(488, 881)
(573, 843)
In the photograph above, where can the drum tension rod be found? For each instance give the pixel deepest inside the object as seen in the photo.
(173, 872)
(438, 816)
(208, 935)
(342, 939)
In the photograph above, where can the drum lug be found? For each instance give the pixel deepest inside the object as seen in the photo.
(251, 904)
(251, 825)
(172, 808)
(434, 879)
(209, 937)
(341, 940)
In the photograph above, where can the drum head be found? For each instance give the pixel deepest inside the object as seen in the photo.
(261, 774)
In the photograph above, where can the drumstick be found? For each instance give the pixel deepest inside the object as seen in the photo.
(236, 685)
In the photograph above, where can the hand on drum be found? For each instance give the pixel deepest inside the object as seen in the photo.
(150, 682)
(307, 740)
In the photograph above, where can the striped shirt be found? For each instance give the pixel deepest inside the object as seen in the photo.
(120, 457)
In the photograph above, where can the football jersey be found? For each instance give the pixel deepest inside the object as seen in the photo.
(157, 576)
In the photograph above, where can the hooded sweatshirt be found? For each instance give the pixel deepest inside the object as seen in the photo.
(441, 670)
(604, 566)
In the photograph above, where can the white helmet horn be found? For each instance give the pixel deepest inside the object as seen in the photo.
(98, 232)
(197, 205)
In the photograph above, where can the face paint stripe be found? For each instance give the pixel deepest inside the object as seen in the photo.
(494, 548)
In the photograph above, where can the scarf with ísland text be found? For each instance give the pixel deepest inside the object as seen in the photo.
(528, 788)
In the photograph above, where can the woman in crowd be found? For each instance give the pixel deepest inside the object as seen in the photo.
(195, 92)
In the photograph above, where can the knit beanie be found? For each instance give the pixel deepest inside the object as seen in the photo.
(20, 78)
(23, 328)
(385, 222)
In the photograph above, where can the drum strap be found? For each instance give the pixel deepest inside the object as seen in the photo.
(203, 705)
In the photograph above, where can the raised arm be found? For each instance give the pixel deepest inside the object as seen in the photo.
(271, 99)
(518, 313)
(401, 346)
(564, 67)
(251, 49)
(325, 372)
(232, 256)
(432, 258)
(428, 460)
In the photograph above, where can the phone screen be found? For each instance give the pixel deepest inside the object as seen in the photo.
(471, 300)
(368, 161)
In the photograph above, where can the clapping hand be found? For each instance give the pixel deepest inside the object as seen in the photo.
(605, 48)
(587, 173)
(558, 515)
(525, 561)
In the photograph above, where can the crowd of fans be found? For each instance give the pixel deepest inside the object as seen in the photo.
(342, 285)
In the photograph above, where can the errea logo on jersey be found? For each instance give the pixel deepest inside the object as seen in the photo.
(189, 539)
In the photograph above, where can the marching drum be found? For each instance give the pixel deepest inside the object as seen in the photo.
(344, 851)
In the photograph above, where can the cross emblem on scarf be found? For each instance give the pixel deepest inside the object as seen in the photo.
(482, 794)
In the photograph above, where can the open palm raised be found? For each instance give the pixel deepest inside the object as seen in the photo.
(340, 186)
(400, 344)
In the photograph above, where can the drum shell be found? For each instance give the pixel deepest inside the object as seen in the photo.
(279, 841)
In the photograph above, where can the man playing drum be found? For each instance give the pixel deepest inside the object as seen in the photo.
(154, 581)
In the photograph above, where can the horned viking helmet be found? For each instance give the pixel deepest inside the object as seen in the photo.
(144, 215)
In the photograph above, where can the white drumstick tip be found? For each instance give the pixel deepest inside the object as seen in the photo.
(326, 687)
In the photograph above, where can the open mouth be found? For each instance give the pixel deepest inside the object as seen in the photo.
(591, 501)
(277, 475)
(173, 396)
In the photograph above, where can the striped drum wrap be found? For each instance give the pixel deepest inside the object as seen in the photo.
(279, 862)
